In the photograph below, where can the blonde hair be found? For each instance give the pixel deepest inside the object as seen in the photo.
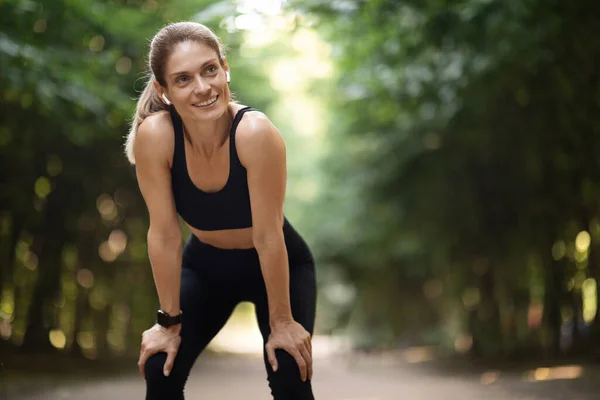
(161, 47)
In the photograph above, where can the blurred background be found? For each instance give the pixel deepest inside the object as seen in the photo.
(442, 165)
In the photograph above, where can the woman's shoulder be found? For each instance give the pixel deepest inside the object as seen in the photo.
(253, 125)
(157, 124)
(155, 135)
(256, 134)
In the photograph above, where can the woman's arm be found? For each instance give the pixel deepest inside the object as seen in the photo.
(164, 236)
(153, 150)
(262, 151)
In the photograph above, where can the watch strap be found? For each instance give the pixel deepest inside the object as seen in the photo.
(166, 320)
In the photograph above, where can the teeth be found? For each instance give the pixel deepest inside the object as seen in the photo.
(206, 103)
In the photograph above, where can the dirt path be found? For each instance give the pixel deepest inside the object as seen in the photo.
(243, 377)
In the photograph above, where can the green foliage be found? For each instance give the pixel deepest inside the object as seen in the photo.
(465, 147)
(73, 223)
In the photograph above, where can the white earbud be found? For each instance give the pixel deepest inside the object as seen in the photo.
(166, 100)
(228, 76)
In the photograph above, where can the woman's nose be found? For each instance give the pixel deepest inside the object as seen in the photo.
(202, 86)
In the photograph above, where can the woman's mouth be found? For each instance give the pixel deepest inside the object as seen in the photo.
(207, 102)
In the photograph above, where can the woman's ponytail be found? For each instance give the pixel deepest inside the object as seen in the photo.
(148, 103)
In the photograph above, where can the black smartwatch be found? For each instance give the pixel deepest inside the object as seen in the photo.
(165, 320)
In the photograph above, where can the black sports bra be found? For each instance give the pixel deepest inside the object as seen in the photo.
(229, 208)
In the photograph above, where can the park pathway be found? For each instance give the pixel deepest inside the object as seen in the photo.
(337, 377)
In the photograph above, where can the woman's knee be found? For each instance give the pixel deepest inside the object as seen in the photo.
(287, 381)
(154, 367)
(158, 386)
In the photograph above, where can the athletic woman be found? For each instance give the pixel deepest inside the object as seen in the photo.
(221, 167)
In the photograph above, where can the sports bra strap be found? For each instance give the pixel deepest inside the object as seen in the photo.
(238, 118)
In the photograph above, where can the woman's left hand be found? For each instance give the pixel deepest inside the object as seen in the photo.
(293, 338)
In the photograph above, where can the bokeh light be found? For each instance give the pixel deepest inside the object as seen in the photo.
(30, 260)
(42, 187)
(589, 292)
(106, 207)
(117, 241)
(123, 65)
(582, 241)
(57, 338)
(85, 278)
(96, 43)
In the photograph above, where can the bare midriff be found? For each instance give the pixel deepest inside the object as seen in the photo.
(226, 239)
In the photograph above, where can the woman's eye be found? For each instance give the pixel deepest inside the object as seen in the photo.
(181, 79)
(211, 69)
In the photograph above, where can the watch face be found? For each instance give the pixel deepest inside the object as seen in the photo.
(162, 319)
(165, 320)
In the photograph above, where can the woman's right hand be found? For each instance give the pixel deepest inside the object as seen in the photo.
(159, 339)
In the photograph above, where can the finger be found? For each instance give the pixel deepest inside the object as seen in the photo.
(142, 363)
(308, 359)
(309, 344)
(271, 356)
(169, 363)
(301, 363)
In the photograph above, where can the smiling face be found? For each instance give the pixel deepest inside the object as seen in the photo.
(196, 83)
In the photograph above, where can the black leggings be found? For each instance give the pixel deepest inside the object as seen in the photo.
(213, 282)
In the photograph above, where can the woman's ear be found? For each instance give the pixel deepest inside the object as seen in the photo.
(159, 90)
(226, 68)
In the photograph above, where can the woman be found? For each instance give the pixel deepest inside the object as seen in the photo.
(222, 168)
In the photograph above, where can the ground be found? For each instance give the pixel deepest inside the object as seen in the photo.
(339, 377)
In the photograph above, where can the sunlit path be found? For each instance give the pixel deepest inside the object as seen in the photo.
(337, 378)
(234, 369)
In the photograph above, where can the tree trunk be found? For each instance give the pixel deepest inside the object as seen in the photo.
(48, 245)
(553, 300)
(81, 310)
(11, 245)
